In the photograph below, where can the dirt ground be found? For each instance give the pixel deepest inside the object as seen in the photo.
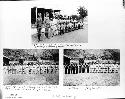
(77, 36)
(31, 79)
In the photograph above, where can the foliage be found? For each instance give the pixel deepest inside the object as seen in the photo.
(75, 17)
(16, 54)
(82, 12)
(113, 54)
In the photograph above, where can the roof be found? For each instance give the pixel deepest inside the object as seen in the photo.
(57, 10)
(6, 57)
(71, 57)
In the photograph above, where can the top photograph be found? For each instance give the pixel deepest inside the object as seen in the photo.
(62, 22)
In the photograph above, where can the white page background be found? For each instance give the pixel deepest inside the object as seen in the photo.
(106, 30)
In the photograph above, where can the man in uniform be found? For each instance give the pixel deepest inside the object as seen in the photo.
(39, 24)
(83, 67)
(47, 24)
(61, 27)
(88, 66)
(76, 66)
(66, 68)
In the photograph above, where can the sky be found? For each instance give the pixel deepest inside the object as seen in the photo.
(67, 7)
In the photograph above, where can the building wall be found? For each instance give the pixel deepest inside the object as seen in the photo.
(76, 61)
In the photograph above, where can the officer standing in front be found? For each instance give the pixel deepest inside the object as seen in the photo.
(39, 24)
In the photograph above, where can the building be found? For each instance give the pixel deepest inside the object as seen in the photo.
(6, 60)
(72, 60)
(43, 11)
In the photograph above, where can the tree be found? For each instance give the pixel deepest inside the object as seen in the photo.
(82, 12)
(15, 54)
(75, 17)
(111, 54)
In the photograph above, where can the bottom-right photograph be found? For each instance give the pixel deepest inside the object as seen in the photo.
(91, 67)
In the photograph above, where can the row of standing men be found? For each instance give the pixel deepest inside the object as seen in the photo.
(51, 27)
(19, 69)
(88, 68)
(75, 69)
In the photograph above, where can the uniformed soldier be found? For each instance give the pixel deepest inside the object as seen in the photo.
(83, 68)
(47, 70)
(61, 27)
(58, 26)
(39, 24)
(23, 70)
(87, 66)
(56, 69)
(66, 68)
(80, 68)
(69, 69)
(51, 28)
(76, 66)
(72, 69)
(47, 24)
(55, 26)
(41, 70)
(51, 67)
(70, 26)
(66, 27)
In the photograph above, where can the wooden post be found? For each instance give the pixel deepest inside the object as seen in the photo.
(36, 13)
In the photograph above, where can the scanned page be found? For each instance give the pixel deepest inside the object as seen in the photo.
(62, 49)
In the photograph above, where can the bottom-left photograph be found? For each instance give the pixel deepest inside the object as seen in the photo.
(30, 66)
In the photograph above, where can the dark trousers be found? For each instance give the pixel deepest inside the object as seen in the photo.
(39, 35)
(80, 69)
(73, 70)
(66, 70)
(83, 69)
(76, 70)
(61, 32)
(69, 70)
(87, 69)
(46, 32)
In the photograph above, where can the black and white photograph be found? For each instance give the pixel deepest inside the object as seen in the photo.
(59, 23)
(30, 66)
(91, 67)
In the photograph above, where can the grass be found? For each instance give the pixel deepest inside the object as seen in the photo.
(92, 79)
(31, 79)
